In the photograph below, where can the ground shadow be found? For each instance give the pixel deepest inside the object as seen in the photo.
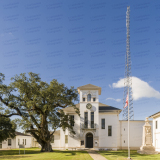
(16, 152)
(124, 153)
(14, 157)
(37, 151)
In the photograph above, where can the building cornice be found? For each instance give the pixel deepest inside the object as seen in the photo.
(89, 87)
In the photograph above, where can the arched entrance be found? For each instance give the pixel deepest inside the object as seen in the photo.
(89, 140)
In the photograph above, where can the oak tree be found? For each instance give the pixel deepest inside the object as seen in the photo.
(38, 105)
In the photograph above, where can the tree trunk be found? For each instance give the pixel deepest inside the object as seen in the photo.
(46, 147)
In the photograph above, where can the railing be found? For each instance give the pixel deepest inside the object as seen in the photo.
(87, 126)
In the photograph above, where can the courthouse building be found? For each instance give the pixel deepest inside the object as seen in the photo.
(98, 125)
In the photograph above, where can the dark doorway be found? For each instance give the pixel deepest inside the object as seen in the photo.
(0, 145)
(89, 140)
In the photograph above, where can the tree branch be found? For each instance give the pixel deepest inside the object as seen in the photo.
(53, 132)
(38, 109)
(59, 105)
(6, 103)
(35, 122)
(32, 130)
(13, 114)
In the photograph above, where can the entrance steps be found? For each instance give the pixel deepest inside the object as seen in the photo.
(89, 149)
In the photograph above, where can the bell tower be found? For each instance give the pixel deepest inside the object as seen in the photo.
(89, 93)
(89, 111)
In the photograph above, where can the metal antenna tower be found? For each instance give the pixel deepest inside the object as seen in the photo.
(128, 76)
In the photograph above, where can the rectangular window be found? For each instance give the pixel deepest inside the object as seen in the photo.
(83, 99)
(25, 141)
(156, 124)
(66, 138)
(102, 123)
(9, 142)
(72, 120)
(92, 119)
(85, 119)
(52, 140)
(109, 130)
(88, 97)
(94, 99)
(18, 141)
(82, 143)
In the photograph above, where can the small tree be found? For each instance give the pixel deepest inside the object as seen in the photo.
(39, 105)
(7, 128)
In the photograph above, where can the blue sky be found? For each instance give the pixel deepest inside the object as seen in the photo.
(82, 42)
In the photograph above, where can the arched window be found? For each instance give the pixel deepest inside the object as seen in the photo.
(89, 97)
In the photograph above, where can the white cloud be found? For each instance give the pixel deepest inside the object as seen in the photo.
(117, 100)
(140, 88)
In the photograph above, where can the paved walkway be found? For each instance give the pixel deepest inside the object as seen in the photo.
(95, 155)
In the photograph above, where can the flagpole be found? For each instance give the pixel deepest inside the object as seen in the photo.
(128, 125)
(128, 68)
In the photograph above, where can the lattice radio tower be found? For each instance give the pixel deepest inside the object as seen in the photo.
(128, 76)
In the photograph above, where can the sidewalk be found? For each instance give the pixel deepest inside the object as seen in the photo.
(95, 155)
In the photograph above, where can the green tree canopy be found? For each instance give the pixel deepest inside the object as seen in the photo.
(39, 105)
(7, 128)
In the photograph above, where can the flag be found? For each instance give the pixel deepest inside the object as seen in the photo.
(126, 101)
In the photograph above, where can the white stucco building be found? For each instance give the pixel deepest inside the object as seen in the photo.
(20, 138)
(156, 130)
(98, 126)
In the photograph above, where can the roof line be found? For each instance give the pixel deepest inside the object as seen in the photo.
(154, 115)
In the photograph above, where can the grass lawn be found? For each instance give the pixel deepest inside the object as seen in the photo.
(123, 154)
(35, 154)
